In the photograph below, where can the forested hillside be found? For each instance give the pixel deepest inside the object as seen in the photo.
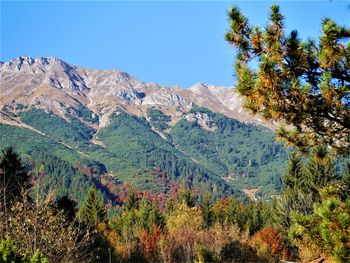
(245, 155)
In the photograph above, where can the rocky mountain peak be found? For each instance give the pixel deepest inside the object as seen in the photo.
(55, 85)
(18, 63)
(49, 71)
(27, 62)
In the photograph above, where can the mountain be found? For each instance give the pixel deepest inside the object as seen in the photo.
(56, 85)
(135, 131)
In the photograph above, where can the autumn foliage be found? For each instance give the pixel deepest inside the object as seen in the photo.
(269, 241)
(149, 243)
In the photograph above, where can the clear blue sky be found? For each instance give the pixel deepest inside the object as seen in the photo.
(172, 43)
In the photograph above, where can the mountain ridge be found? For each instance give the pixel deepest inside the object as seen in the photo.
(50, 81)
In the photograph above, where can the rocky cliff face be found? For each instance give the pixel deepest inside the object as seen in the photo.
(52, 84)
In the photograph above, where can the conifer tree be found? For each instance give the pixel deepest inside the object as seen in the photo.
(169, 205)
(9, 254)
(13, 178)
(131, 200)
(255, 217)
(206, 211)
(320, 171)
(186, 197)
(92, 210)
(305, 84)
(302, 184)
(328, 227)
(296, 196)
(148, 216)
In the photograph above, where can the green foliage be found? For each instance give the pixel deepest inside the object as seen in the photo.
(56, 127)
(52, 173)
(158, 119)
(148, 215)
(249, 217)
(13, 178)
(306, 84)
(320, 170)
(38, 257)
(130, 224)
(9, 254)
(133, 151)
(86, 114)
(204, 255)
(231, 149)
(27, 141)
(328, 227)
(206, 211)
(302, 183)
(132, 140)
(92, 209)
(150, 180)
(131, 201)
(255, 217)
(186, 197)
